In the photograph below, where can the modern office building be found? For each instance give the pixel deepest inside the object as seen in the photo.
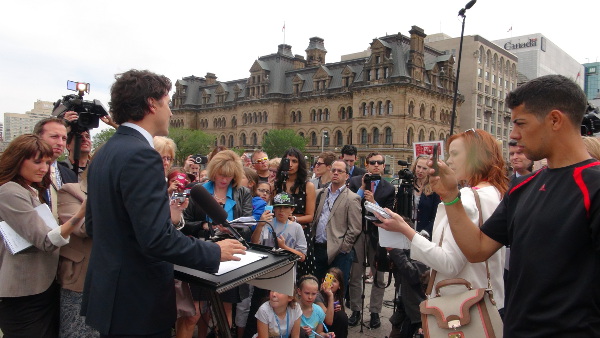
(592, 80)
(19, 124)
(487, 74)
(539, 56)
(397, 92)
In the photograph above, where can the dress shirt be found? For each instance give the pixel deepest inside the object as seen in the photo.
(142, 131)
(321, 236)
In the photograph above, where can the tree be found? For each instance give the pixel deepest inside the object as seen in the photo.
(277, 141)
(190, 142)
(101, 137)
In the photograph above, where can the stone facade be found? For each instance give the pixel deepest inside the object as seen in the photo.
(399, 94)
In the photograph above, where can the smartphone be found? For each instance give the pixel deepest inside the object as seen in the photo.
(269, 208)
(434, 157)
(328, 280)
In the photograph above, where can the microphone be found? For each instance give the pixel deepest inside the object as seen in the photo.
(209, 205)
(470, 4)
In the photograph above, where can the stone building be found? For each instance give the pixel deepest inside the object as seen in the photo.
(400, 93)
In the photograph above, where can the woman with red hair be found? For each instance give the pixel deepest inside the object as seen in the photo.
(477, 161)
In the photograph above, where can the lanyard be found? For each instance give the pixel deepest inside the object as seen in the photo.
(275, 227)
(287, 322)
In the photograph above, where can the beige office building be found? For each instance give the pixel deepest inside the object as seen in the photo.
(488, 72)
(19, 124)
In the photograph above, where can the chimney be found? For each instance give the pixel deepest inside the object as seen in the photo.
(286, 50)
(211, 78)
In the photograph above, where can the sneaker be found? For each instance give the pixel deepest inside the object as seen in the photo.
(354, 318)
(369, 280)
(375, 322)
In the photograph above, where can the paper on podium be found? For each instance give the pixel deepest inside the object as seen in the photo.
(243, 222)
(392, 239)
(249, 257)
(14, 241)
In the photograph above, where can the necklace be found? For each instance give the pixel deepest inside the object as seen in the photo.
(220, 199)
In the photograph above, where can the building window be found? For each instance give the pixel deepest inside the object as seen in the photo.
(479, 86)
(363, 136)
(421, 135)
(390, 107)
(432, 136)
(243, 139)
(349, 113)
(388, 135)
(254, 139)
(380, 106)
(365, 109)
(385, 73)
(372, 105)
(411, 109)
(343, 113)
(375, 135)
(313, 139)
(410, 136)
(230, 143)
(339, 138)
(422, 111)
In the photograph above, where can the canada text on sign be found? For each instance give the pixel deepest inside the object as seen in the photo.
(531, 43)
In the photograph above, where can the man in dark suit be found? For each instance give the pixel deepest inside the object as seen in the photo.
(520, 164)
(349, 155)
(129, 288)
(53, 130)
(382, 193)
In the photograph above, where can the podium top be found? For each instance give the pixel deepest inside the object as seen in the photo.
(231, 279)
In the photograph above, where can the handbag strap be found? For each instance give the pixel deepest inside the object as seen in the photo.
(434, 272)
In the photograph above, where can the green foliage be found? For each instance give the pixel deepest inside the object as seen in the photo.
(190, 142)
(101, 137)
(277, 141)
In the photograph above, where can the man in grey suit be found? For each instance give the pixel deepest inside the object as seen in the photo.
(129, 288)
(336, 225)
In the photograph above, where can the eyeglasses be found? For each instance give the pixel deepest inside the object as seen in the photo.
(261, 160)
(340, 171)
(319, 163)
(264, 191)
(376, 162)
(167, 158)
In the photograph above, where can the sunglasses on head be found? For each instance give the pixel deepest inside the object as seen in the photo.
(261, 160)
(376, 162)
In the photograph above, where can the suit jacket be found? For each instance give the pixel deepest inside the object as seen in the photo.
(358, 171)
(74, 257)
(67, 175)
(31, 271)
(129, 283)
(344, 223)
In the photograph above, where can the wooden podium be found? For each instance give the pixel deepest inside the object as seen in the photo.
(275, 272)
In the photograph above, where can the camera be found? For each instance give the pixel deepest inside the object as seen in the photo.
(200, 159)
(590, 124)
(89, 112)
(180, 196)
(371, 178)
(405, 174)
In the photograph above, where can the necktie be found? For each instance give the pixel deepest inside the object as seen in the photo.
(53, 195)
(373, 186)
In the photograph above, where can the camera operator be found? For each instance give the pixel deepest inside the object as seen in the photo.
(375, 190)
(425, 200)
(84, 154)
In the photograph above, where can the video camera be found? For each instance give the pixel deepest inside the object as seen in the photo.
(89, 112)
(405, 173)
(371, 178)
(591, 121)
(404, 194)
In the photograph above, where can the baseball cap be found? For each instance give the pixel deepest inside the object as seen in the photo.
(283, 199)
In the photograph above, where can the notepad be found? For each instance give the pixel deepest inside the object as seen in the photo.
(14, 242)
(249, 257)
(391, 239)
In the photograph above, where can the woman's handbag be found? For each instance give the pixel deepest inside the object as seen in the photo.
(472, 313)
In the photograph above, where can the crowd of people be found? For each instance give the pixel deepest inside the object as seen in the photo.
(103, 265)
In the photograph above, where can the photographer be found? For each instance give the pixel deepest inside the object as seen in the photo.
(375, 190)
(84, 154)
(425, 200)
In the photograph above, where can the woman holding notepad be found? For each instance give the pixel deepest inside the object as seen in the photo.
(29, 295)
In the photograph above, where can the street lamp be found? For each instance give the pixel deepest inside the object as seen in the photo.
(323, 137)
(462, 33)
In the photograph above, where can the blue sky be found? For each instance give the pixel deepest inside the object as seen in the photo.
(45, 43)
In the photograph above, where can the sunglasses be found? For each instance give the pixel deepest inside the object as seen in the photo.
(376, 162)
(319, 163)
(261, 160)
(340, 171)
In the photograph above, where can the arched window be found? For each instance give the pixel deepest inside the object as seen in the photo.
(372, 105)
(313, 139)
(350, 137)
(266, 116)
(320, 115)
(233, 122)
(380, 106)
(299, 117)
(301, 134)
(230, 144)
(293, 117)
(254, 139)
(375, 135)
(410, 136)
(421, 135)
(441, 136)
(255, 117)
(243, 139)
(343, 113)
(422, 111)
(223, 140)
(411, 109)
(326, 114)
(349, 113)
(245, 118)
(313, 115)
(390, 107)
(327, 140)
(432, 136)
(339, 138)
(432, 114)
(260, 117)
(388, 135)
(365, 109)
(363, 136)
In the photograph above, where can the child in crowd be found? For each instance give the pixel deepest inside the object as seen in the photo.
(311, 322)
(331, 300)
(251, 182)
(279, 317)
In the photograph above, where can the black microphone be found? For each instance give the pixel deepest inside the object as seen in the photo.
(209, 205)
(470, 4)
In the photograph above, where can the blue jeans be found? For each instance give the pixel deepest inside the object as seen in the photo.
(342, 261)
